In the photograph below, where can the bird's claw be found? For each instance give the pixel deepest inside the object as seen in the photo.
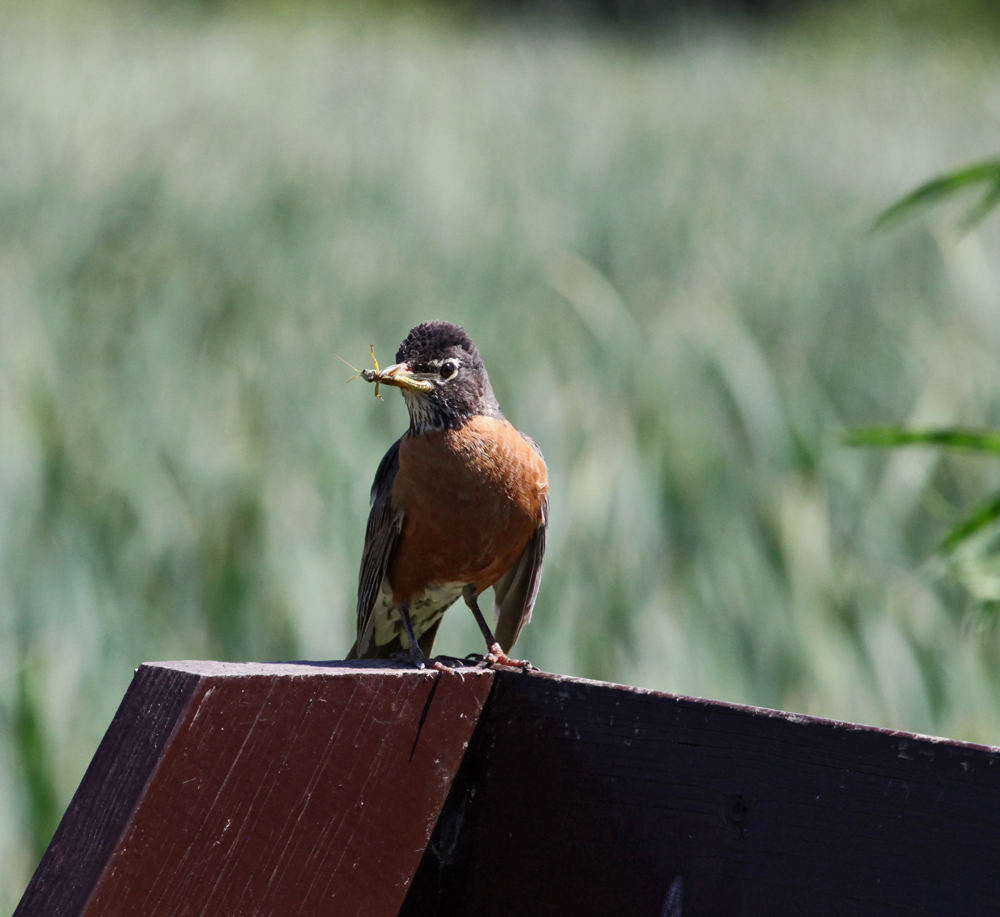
(449, 664)
(452, 662)
(418, 662)
(497, 657)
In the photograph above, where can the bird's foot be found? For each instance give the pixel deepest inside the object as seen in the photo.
(449, 662)
(497, 656)
(416, 658)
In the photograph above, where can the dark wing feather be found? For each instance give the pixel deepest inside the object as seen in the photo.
(515, 592)
(384, 524)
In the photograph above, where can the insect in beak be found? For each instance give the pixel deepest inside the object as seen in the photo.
(369, 375)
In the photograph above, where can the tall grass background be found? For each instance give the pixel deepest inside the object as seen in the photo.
(662, 250)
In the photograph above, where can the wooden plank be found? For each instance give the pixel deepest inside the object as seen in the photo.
(283, 789)
(108, 794)
(584, 798)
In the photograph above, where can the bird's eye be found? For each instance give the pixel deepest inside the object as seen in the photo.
(448, 370)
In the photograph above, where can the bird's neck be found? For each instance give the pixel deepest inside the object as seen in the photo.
(427, 415)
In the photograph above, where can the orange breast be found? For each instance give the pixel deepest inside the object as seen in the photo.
(471, 499)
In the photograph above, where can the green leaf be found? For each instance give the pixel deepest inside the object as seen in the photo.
(952, 438)
(982, 209)
(982, 517)
(946, 186)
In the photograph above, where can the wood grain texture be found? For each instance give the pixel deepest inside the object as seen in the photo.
(225, 789)
(108, 794)
(290, 789)
(584, 798)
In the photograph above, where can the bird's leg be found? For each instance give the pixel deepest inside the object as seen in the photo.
(495, 655)
(416, 656)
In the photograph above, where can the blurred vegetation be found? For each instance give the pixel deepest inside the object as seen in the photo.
(970, 552)
(980, 18)
(983, 176)
(663, 256)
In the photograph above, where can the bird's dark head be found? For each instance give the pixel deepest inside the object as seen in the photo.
(442, 377)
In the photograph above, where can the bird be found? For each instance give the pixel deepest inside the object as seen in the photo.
(459, 504)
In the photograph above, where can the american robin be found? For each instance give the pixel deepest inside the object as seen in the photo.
(459, 504)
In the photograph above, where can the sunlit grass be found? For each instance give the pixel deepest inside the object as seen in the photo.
(665, 259)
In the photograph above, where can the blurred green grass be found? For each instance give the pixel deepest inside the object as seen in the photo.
(663, 255)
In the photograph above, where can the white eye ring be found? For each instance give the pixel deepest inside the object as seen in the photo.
(448, 369)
